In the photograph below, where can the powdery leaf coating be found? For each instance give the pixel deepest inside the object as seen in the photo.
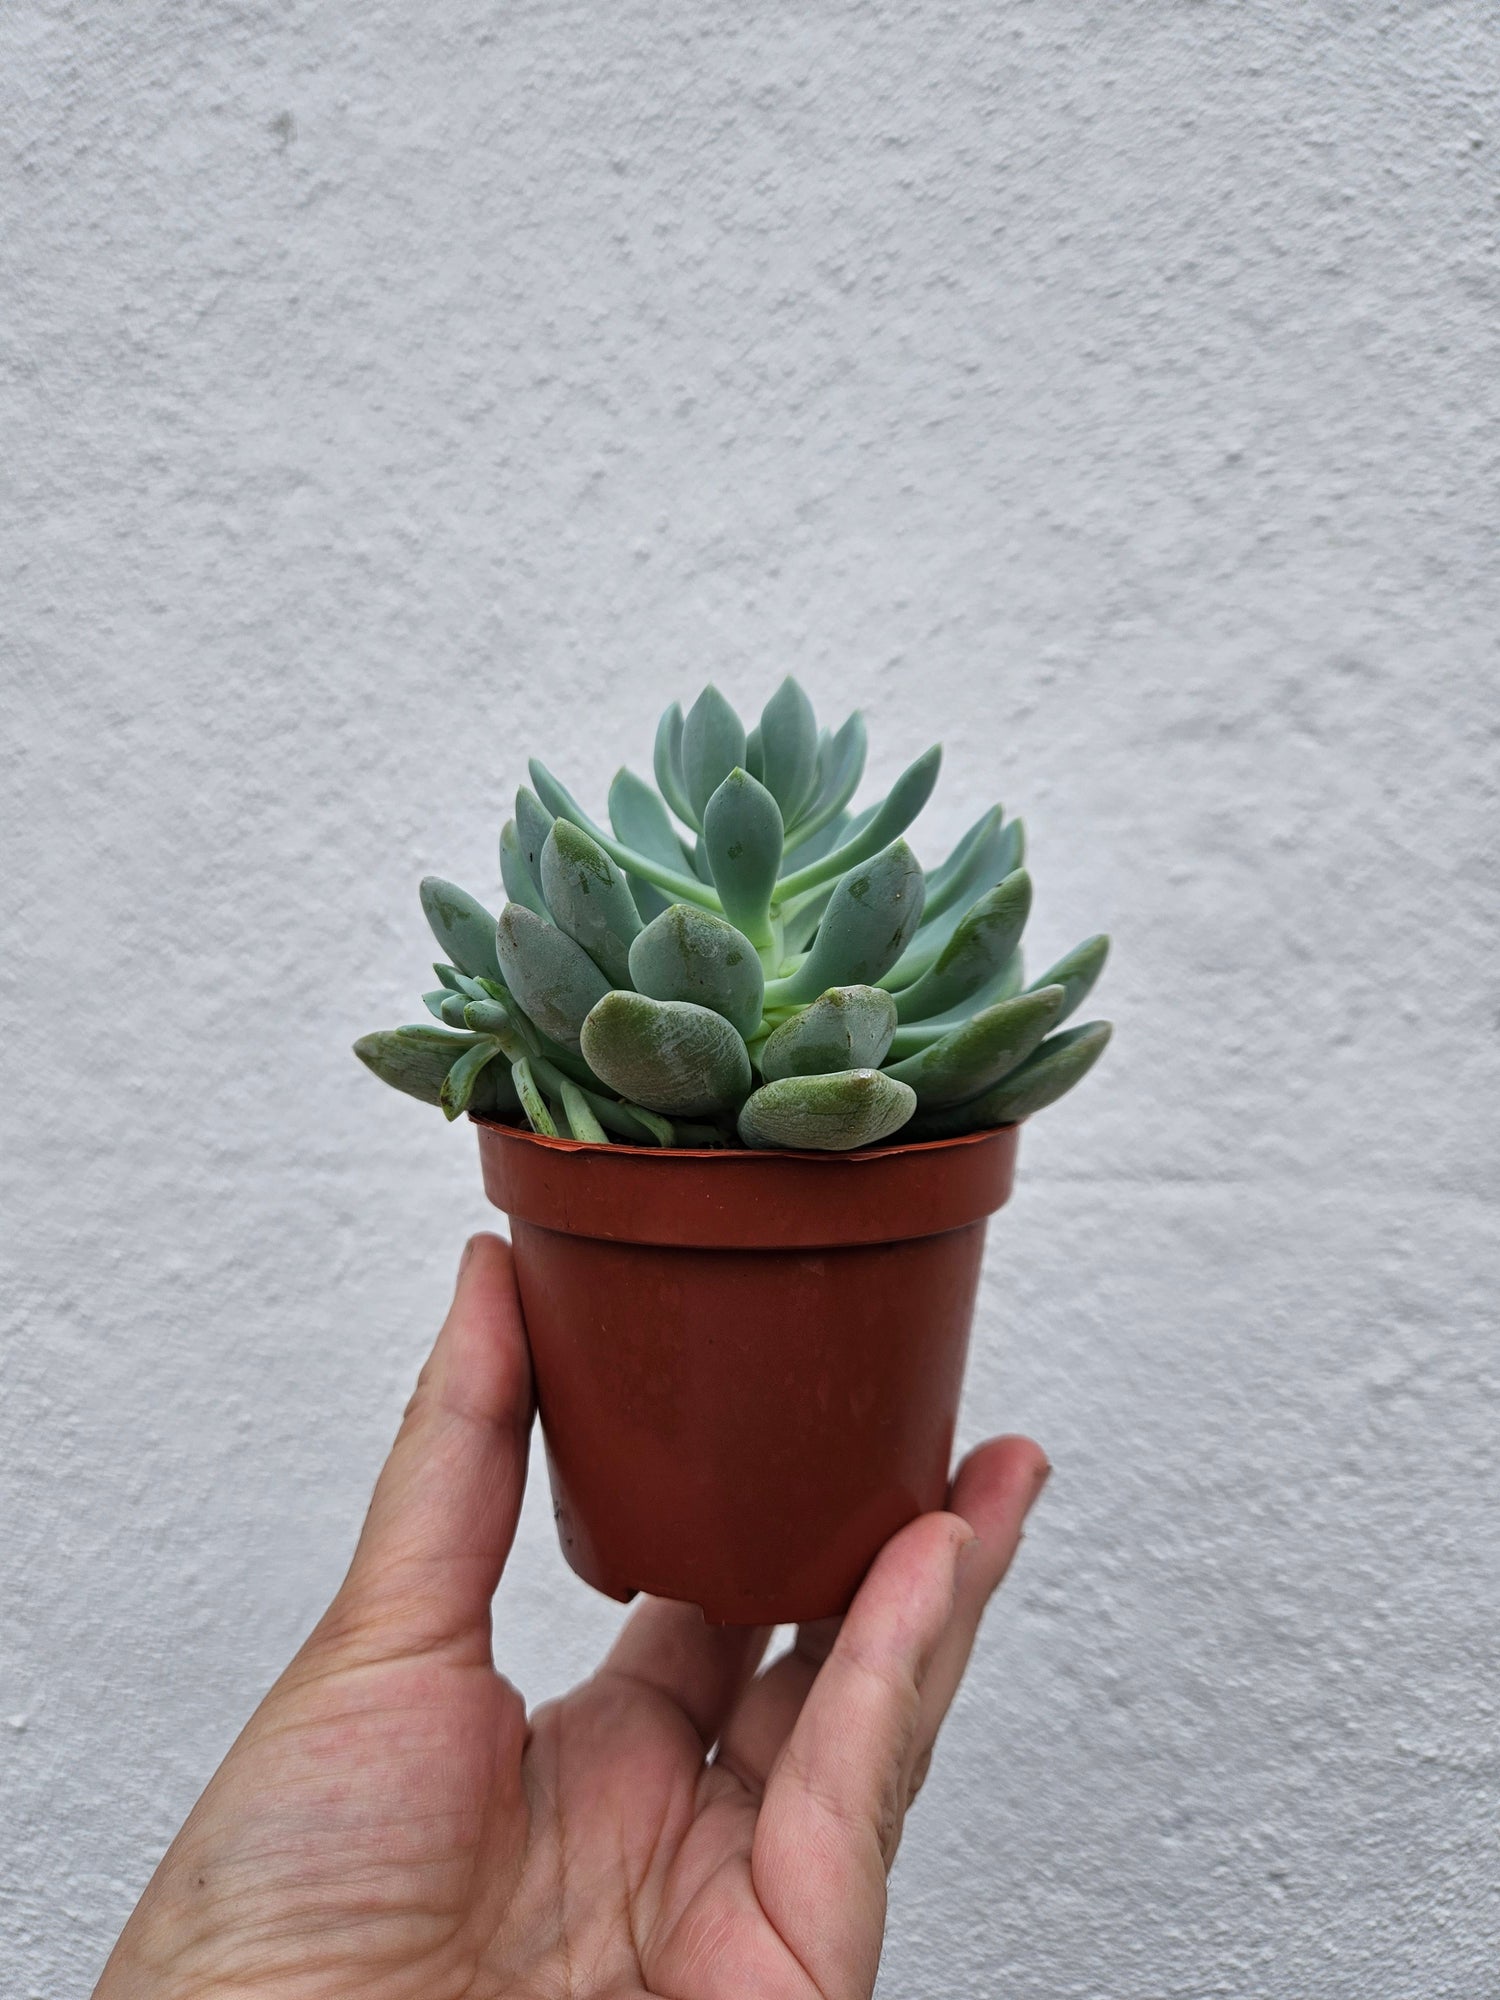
(890, 818)
(742, 844)
(1049, 1072)
(1077, 973)
(992, 861)
(533, 824)
(461, 1082)
(915, 1035)
(826, 1114)
(515, 873)
(462, 926)
(414, 1059)
(713, 743)
(971, 1058)
(670, 1055)
(788, 744)
(554, 979)
(690, 954)
(849, 1027)
(868, 923)
(841, 765)
(667, 764)
(589, 898)
(980, 947)
(642, 822)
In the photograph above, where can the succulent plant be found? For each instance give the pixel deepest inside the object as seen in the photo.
(774, 969)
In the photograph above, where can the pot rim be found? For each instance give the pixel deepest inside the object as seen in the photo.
(741, 1198)
(768, 1153)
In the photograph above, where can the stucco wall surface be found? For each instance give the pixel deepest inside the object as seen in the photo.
(1108, 390)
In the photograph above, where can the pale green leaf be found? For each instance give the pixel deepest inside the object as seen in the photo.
(829, 1114)
(690, 954)
(869, 920)
(669, 1055)
(589, 898)
(891, 817)
(969, 1059)
(980, 947)
(713, 745)
(1050, 1071)
(554, 979)
(742, 844)
(413, 1059)
(462, 925)
(849, 1027)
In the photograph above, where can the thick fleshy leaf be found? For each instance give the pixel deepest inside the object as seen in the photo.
(689, 954)
(841, 766)
(589, 899)
(713, 745)
(452, 1008)
(800, 917)
(450, 976)
(675, 881)
(533, 824)
(849, 1027)
(914, 1035)
(669, 1055)
(788, 748)
(1050, 1071)
(826, 1114)
(460, 1083)
(742, 843)
(839, 828)
(494, 1095)
(538, 1113)
(414, 1059)
(493, 1017)
(1077, 973)
(667, 763)
(979, 948)
(433, 1001)
(630, 1121)
(581, 1120)
(891, 817)
(641, 820)
(997, 853)
(515, 873)
(957, 859)
(969, 1059)
(991, 863)
(866, 927)
(799, 924)
(554, 979)
(754, 761)
(952, 880)
(462, 926)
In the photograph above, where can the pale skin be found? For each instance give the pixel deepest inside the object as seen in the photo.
(392, 1825)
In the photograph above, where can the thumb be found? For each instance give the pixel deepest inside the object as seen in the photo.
(445, 1507)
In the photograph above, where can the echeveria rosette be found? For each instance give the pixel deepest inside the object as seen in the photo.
(734, 955)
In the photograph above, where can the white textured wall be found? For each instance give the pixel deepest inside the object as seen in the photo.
(1109, 390)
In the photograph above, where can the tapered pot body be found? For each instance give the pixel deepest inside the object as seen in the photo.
(748, 1364)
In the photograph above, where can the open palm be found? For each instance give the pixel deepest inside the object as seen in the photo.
(391, 1823)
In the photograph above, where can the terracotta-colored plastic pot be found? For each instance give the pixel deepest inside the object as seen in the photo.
(748, 1364)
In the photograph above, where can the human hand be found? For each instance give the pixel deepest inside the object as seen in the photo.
(391, 1826)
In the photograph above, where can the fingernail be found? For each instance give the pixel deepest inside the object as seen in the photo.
(1038, 1481)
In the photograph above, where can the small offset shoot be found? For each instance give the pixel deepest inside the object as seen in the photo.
(737, 956)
